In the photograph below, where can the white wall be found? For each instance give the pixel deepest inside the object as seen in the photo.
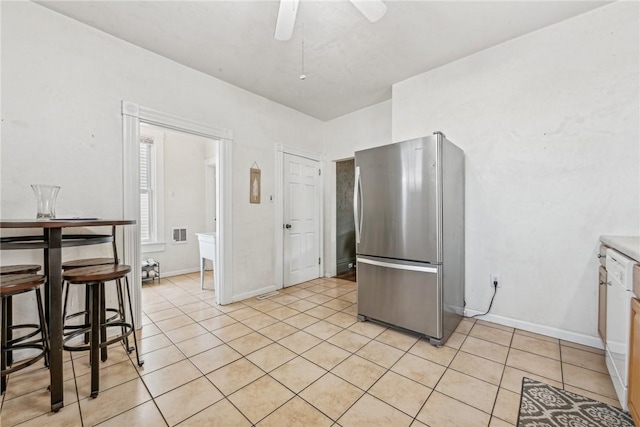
(62, 87)
(549, 124)
(344, 136)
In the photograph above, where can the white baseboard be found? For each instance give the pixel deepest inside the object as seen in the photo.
(254, 293)
(166, 274)
(592, 341)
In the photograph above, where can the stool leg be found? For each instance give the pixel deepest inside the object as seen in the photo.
(133, 325)
(65, 286)
(94, 292)
(122, 315)
(103, 328)
(3, 344)
(87, 316)
(43, 327)
(9, 358)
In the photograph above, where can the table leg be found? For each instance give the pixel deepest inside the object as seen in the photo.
(103, 318)
(94, 346)
(202, 261)
(53, 295)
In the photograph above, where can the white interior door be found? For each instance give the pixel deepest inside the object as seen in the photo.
(301, 220)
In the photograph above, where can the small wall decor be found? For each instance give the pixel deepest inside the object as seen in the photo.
(254, 183)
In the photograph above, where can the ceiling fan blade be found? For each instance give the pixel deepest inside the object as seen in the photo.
(373, 10)
(286, 19)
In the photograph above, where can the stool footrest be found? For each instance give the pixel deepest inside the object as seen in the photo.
(82, 331)
(18, 340)
(24, 363)
(29, 340)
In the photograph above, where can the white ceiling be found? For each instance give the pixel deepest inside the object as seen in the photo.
(349, 62)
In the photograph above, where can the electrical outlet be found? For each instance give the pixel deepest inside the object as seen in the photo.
(495, 277)
(350, 265)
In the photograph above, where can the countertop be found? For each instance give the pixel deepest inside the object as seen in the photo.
(208, 235)
(627, 245)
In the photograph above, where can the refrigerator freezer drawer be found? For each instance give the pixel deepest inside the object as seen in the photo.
(406, 295)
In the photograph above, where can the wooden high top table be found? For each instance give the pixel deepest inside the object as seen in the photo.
(52, 241)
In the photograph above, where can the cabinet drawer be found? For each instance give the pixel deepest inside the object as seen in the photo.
(636, 280)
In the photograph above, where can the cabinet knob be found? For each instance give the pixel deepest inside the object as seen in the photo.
(601, 283)
(601, 256)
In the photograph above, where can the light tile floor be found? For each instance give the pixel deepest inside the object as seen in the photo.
(301, 359)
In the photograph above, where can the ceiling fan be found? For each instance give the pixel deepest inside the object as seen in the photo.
(373, 10)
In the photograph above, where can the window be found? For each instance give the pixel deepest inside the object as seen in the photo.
(151, 189)
(147, 214)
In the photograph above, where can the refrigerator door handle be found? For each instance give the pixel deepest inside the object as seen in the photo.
(398, 266)
(357, 202)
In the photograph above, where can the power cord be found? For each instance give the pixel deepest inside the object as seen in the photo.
(495, 291)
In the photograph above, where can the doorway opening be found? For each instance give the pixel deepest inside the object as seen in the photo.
(178, 203)
(345, 224)
(134, 114)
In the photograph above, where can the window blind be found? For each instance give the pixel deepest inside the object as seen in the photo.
(146, 190)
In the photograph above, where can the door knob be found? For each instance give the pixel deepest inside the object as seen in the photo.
(287, 226)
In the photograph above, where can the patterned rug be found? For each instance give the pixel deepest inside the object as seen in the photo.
(542, 405)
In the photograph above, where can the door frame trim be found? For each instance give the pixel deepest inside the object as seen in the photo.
(132, 115)
(280, 151)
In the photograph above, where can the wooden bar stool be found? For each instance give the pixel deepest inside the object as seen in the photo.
(10, 285)
(15, 269)
(19, 269)
(88, 262)
(94, 279)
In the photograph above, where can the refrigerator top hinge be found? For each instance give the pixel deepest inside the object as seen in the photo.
(439, 133)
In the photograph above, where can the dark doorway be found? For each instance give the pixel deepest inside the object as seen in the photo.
(345, 226)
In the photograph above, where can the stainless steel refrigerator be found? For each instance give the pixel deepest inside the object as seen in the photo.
(409, 219)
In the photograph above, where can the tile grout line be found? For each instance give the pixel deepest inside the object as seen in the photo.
(562, 370)
(244, 356)
(350, 306)
(415, 418)
(186, 358)
(325, 340)
(310, 361)
(75, 381)
(140, 376)
(504, 367)
(297, 354)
